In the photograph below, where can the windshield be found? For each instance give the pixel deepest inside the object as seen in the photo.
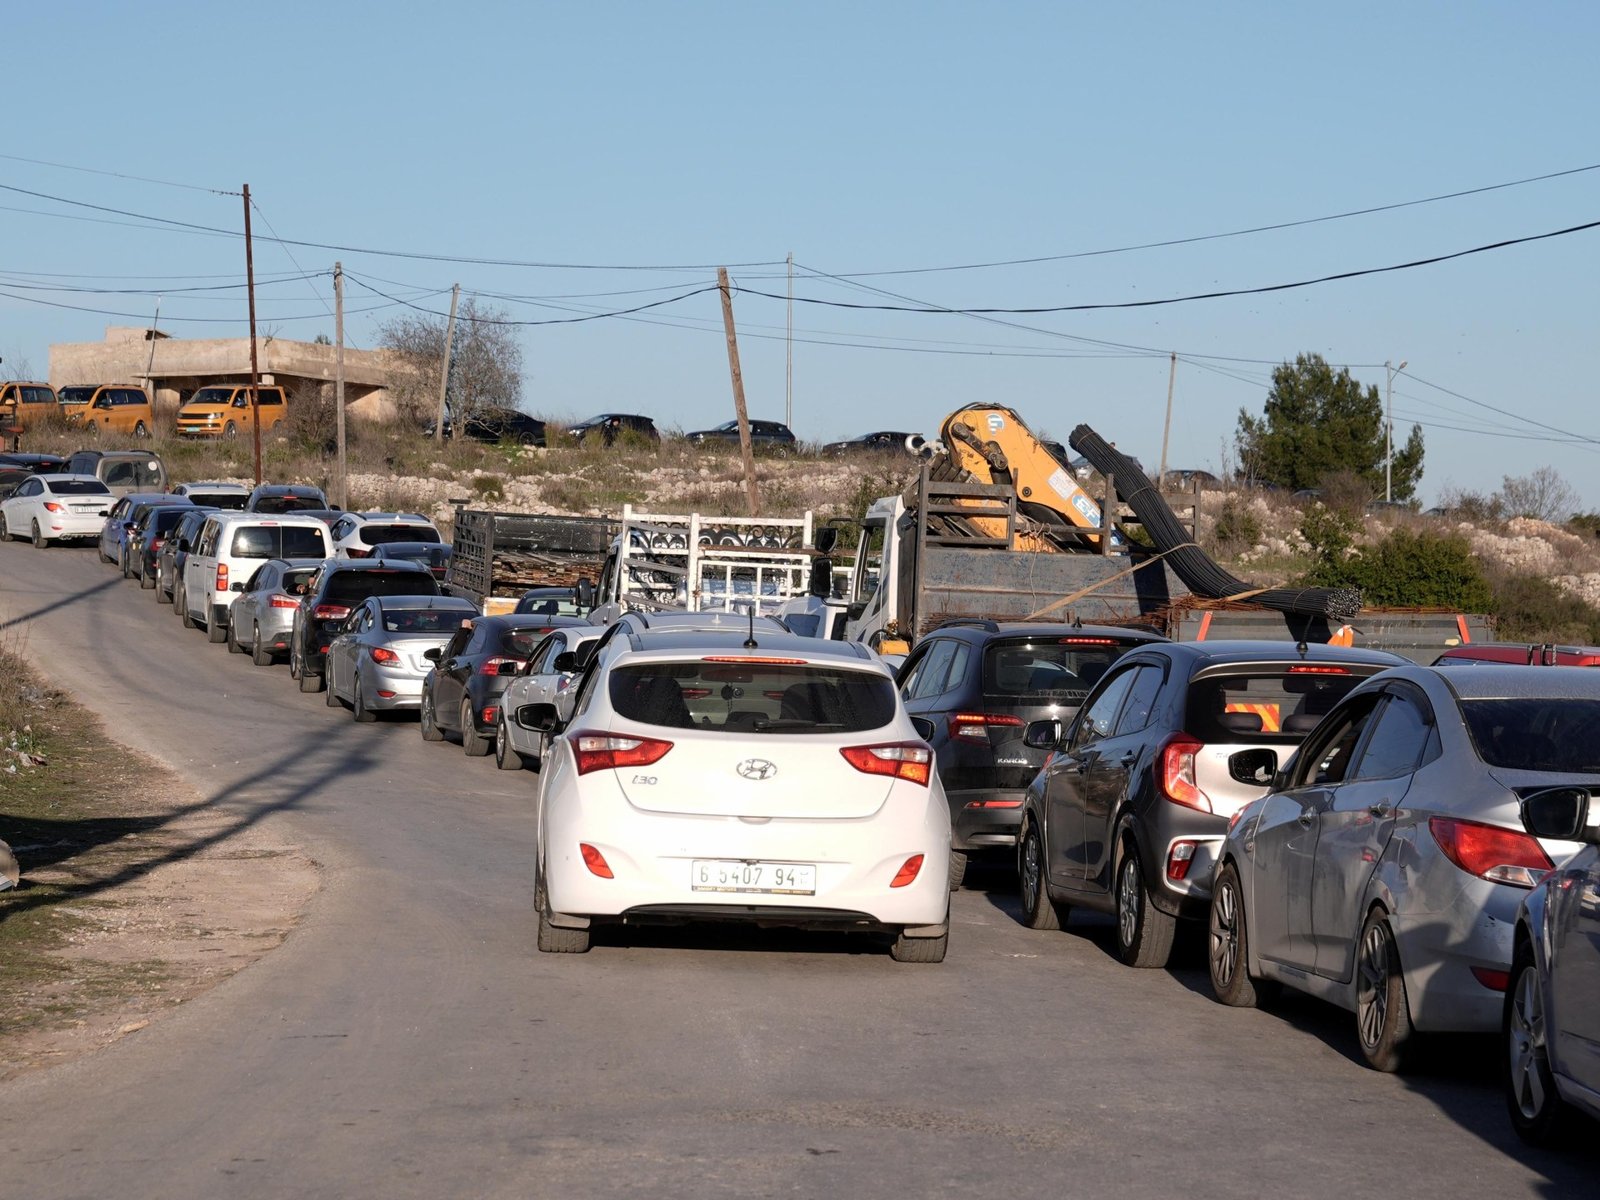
(75, 395)
(78, 487)
(753, 697)
(1536, 734)
(232, 501)
(1274, 705)
(283, 504)
(210, 395)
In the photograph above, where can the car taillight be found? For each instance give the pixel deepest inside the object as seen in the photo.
(594, 750)
(285, 602)
(222, 577)
(1491, 852)
(157, 544)
(903, 760)
(500, 666)
(356, 552)
(1177, 772)
(381, 655)
(52, 506)
(1309, 669)
(907, 872)
(595, 861)
(1178, 860)
(330, 612)
(974, 727)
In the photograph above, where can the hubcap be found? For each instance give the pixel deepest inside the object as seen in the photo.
(1031, 894)
(1526, 1045)
(1224, 934)
(1372, 986)
(1128, 901)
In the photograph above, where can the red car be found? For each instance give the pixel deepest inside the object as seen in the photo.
(1521, 654)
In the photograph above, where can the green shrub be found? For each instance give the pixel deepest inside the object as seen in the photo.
(1410, 569)
(1236, 527)
(488, 487)
(1528, 608)
(1585, 524)
(1331, 534)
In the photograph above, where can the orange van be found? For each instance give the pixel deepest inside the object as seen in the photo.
(23, 404)
(108, 408)
(223, 411)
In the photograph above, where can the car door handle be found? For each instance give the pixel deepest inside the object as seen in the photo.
(1308, 818)
(1381, 809)
(1128, 759)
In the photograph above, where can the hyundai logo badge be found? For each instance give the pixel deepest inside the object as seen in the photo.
(757, 768)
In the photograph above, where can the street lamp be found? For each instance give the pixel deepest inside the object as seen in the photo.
(1388, 458)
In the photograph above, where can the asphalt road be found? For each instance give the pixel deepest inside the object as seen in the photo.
(407, 1039)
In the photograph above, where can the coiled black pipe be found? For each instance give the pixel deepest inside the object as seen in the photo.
(1194, 566)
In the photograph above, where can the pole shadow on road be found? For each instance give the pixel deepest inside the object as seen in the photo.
(55, 607)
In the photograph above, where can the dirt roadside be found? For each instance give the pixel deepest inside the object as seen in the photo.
(135, 895)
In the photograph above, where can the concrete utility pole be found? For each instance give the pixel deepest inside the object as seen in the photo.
(444, 374)
(1166, 430)
(338, 380)
(255, 370)
(751, 496)
(1388, 429)
(788, 355)
(150, 362)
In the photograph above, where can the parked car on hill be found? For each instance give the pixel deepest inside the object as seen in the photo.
(545, 679)
(1129, 814)
(495, 424)
(24, 404)
(340, 585)
(224, 411)
(706, 778)
(606, 428)
(1384, 871)
(108, 409)
(461, 694)
(261, 616)
(377, 661)
(972, 686)
(772, 436)
(881, 441)
(55, 508)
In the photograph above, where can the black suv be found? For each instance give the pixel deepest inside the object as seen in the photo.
(608, 427)
(764, 435)
(971, 687)
(494, 424)
(1130, 811)
(285, 498)
(340, 585)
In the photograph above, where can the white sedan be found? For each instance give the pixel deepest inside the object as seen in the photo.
(547, 679)
(706, 777)
(50, 508)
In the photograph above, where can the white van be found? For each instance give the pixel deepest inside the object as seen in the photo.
(226, 552)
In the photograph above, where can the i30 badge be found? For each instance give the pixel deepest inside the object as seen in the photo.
(757, 768)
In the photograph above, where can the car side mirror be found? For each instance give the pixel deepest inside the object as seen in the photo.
(566, 662)
(924, 727)
(583, 593)
(1558, 813)
(1042, 735)
(1258, 767)
(183, 545)
(433, 653)
(238, 587)
(540, 718)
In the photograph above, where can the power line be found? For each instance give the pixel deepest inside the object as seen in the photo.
(552, 321)
(193, 187)
(145, 317)
(1503, 412)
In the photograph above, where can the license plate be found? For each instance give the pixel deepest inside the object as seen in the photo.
(767, 878)
(85, 508)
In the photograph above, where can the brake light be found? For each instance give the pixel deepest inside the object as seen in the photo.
(1177, 772)
(595, 861)
(595, 750)
(330, 612)
(356, 552)
(742, 659)
(222, 577)
(285, 602)
(489, 714)
(1495, 981)
(903, 760)
(381, 655)
(1491, 852)
(907, 872)
(699, 693)
(1309, 669)
(974, 727)
(158, 543)
(500, 666)
(1178, 860)
(52, 506)
(1087, 641)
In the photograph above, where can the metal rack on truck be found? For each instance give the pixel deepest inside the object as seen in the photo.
(496, 556)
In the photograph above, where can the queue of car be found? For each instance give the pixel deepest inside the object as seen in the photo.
(1414, 844)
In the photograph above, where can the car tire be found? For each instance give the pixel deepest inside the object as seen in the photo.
(553, 939)
(958, 869)
(259, 654)
(505, 757)
(39, 539)
(331, 696)
(472, 742)
(233, 640)
(310, 684)
(146, 580)
(1538, 1113)
(921, 950)
(1038, 910)
(230, 431)
(124, 565)
(1383, 1016)
(358, 703)
(425, 719)
(216, 631)
(1144, 932)
(140, 430)
(5, 530)
(1228, 947)
(181, 602)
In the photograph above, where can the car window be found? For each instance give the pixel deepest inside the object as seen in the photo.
(454, 646)
(1265, 704)
(752, 698)
(1142, 695)
(1536, 733)
(1100, 715)
(1068, 665)
(376, 535)
(1396, 743)
(1325, 759)
(351, 587)
(303, 541)
(930, 676)
(423, 620)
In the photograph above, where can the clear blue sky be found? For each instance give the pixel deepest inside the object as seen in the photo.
(863, 138)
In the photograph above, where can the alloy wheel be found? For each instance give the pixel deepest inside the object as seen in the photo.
(1031, 873)
(1128, 900)
(1224, 934)
(1526, 1045)
(1372, 986)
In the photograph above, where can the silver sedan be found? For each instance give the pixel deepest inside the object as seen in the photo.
(375, 662)
(262, 614)
(545, 680)
(1384, 871)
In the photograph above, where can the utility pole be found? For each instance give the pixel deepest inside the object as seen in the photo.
(1388, 429)
(255, 370)
(788, 357)
(150, 362)
(738, 395)
(338, 380)
(444, 375)
(1166, 430)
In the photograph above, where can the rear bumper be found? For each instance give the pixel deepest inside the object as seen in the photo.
(985, 818)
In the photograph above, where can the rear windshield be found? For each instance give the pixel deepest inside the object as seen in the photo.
(423, 620)
(1065, 667)
(1528, 734)
(550, 606)
(351, 587)
(78, 487)
(279, 541)
(283, 504)
(428, 556)
(165, 517)
(139, 474)
(230, 501)
(1265, 706)
(378, 535)
(753, 698)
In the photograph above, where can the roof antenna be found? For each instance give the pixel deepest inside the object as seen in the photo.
(1302, 647)
(750, 642)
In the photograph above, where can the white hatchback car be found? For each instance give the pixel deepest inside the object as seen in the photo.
(546, 679)
(50, 508)
(356, 535)
(755, 777)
